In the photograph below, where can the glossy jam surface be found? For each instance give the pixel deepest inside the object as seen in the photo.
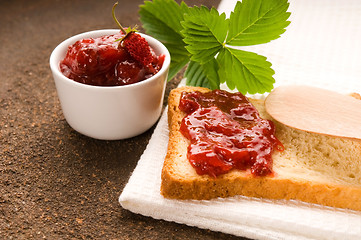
(103, 62)
(225, 133)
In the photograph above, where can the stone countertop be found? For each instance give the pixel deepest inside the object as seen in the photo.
(54, 182)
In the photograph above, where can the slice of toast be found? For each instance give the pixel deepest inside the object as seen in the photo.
(313, 168)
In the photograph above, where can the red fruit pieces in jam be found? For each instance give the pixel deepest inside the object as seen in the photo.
(88, 59)
(103, 62)
(225, 133)
(128, 72)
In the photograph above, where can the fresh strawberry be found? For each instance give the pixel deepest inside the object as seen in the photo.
(135, 44)
(138, 48)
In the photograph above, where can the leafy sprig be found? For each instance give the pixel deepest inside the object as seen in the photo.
(206, 40)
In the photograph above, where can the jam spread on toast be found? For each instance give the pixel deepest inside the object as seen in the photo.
(226, 132)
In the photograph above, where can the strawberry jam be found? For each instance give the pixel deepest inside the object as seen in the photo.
(225, 133)
(104, 61)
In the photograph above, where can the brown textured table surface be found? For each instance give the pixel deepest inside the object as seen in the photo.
(54, 182)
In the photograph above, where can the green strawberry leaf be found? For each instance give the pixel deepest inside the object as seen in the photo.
(205, 75)
(203, 37)
(195, 75)
(161, 19)
(246, 71)
(256, 22)
(159, 16)
(204, 31)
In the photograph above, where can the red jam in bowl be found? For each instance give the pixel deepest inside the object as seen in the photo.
(103, 61)
(225, 133)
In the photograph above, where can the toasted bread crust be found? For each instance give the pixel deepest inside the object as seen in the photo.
(180, 181)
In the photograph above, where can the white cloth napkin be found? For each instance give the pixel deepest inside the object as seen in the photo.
(322, 48)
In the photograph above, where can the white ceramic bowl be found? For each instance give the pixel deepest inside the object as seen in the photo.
(110, 113)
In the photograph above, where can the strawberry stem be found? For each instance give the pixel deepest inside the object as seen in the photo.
(116, 20)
